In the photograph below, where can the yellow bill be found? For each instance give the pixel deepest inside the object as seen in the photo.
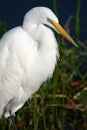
(60, 29)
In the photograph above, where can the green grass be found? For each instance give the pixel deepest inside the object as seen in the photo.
(62, 102)
(2, 28)
(77, 24)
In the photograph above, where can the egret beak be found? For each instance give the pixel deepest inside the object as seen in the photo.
(60, 30)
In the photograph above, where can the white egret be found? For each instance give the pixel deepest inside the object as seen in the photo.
(28, 55)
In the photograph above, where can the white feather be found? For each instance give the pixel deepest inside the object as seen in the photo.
(28, 56)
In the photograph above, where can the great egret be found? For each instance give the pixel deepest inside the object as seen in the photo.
(28, 55)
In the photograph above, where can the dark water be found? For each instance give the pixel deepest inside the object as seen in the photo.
(13, 11)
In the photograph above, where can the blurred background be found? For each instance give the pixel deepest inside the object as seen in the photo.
(60, 104)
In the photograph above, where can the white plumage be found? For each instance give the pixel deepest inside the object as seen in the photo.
(28, 56)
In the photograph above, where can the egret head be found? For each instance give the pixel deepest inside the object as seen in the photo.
(43, 15)
(39, 15)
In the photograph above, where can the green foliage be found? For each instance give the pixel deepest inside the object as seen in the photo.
(2, 28)
(82, 96)
(77, 23)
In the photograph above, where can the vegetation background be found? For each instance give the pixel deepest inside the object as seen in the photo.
(60, 104)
